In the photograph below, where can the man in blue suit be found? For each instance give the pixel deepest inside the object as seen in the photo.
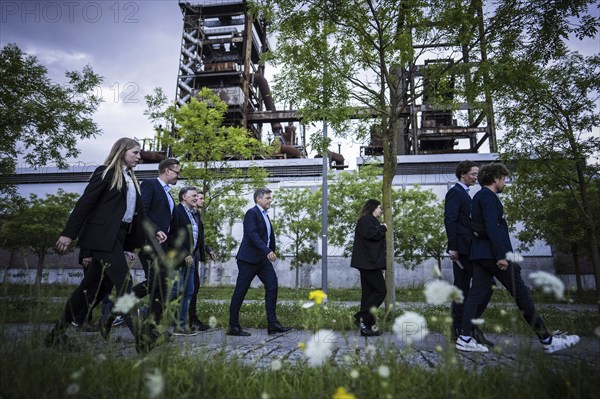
(489, 252)
(457, 215)
(158, 207)
(254, 258)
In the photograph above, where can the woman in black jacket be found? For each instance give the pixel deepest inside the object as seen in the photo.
(368, 256)
(107, 220)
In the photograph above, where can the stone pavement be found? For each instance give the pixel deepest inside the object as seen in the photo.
(260, 349)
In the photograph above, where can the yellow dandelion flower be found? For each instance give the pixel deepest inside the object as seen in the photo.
(317, 296)
(341, 393)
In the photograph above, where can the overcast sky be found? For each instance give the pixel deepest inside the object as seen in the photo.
(134, 45)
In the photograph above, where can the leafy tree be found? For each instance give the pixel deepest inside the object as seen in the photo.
(204, 146)
(41, 120)
(419, 224)
(36, 223)
(348, 191)
(336, 57)
(298, 219)
(549, 118)
(550, 219)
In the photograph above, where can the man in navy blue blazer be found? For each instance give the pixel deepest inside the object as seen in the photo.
(255, 257)
(457, 215)
(489, 255)
(158, 207)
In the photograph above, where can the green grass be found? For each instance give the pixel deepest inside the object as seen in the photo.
(29, 370)
(25, 306)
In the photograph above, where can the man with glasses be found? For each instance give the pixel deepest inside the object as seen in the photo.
(158, 207)
(457, 215)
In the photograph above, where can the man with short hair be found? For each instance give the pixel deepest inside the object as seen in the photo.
(184, 240)
(457, 215)
(255, 257)
(488, 253)
(158, 207)
(200, 255)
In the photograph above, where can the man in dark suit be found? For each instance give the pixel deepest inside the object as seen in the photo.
(457, 215)
(184, 240)
(489, 253)
(254, 258)
(158, 207)
(200, 255)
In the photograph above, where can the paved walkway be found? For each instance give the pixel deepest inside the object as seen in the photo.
(348, 347)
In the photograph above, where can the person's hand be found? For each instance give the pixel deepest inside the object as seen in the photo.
(212, 255)
(161, 237)
(85, 262)
(271, 256)
(453, 255)
(63, 243)
(502, 264)
(189, 260)
(129, 255)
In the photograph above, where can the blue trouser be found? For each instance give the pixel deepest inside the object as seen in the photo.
(247, 272)
(483, 270)
(183, 287)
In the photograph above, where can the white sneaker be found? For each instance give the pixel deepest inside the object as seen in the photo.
(560, 343)
(470, 346)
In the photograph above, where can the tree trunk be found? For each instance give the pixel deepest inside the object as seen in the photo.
(389, 171)
(40, 270)
(575, 254)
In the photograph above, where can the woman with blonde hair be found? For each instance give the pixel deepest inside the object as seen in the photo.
(107, 220)
(368, 256)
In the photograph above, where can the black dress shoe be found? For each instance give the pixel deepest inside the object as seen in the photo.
(277, 328)
(479, 337)
(198, 325)
(238, 332)
(366, 331)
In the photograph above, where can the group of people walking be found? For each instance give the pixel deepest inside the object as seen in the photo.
(478, 245)
(116, 216)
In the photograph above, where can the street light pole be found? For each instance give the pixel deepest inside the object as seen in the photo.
(324, 214)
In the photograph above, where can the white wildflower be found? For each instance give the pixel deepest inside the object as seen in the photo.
(549, 283)
(410, 327)
(383, 371)
(125, 303)
(155, 383)
(100, 357)
(370, 350)
(319, 348)
(307, 305)
(72, 389)
(212, 322)
(439, 292)
(477, 322)
(265, 395)
(354, 374)
(276, 365)
(514, 257)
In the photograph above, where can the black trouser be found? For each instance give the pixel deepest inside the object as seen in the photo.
(155, 284)
(193, 315)
(462, 280)
(373, 294)
(483, 271)
(110, 265)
